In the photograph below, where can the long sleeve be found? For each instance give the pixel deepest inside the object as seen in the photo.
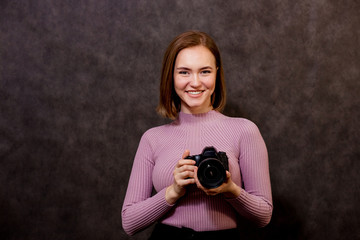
(255, 200)
(140, 209)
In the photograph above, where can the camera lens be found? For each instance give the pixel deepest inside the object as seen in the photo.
(211, 173)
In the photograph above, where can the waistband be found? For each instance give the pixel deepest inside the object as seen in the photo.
(163, 231)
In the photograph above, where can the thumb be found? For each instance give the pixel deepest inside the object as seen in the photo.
(228, 176)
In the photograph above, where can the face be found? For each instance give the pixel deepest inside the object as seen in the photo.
(194, 79)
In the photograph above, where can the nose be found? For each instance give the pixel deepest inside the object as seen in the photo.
(195, 81)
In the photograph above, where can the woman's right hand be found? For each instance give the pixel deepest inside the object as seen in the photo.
(183, 176)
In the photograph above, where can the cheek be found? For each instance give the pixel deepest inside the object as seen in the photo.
(210, 84)
(179, 84)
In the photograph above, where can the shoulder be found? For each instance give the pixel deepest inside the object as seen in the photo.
(244, 132)
(157, 132)
(239, 123)
(240, 127)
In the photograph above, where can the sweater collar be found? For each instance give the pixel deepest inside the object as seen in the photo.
(196, 118)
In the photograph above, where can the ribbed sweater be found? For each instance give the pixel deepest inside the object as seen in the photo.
(160, 149)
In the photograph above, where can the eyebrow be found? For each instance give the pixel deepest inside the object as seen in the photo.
(186, 68)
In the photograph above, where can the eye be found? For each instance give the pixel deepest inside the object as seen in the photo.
(205, 72)
(183, 72)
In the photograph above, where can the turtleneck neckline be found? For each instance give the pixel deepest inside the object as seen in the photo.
(200, 117)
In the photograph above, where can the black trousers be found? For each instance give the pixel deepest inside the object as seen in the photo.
(163, 231)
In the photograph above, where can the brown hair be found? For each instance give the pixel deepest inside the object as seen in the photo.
(169, 102)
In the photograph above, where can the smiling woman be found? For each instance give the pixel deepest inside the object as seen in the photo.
(194, 79)
(192, 92)
(184, 46)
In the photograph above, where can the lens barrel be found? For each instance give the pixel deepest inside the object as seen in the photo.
(211, 173)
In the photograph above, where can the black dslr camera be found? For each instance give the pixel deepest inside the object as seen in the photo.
(212, 166)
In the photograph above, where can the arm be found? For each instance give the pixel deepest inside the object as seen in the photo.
(254, 201)
(140, 209)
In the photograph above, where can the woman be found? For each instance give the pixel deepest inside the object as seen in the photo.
(192, 92)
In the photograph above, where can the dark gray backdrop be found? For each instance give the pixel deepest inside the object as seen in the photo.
(79, 85)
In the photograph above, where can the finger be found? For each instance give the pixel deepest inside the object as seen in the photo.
(182, 182)
(184, 170)
(187, 174)
(212, 193)
(187, 168)
(228, 177)
(186, 154)
(184, 162)
(184, 176)
(187, 181)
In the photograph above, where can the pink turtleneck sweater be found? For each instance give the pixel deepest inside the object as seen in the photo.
(160, 149)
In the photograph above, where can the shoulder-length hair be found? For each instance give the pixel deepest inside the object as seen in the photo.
(169, 102)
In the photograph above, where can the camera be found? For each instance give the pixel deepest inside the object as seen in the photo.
(212, 166)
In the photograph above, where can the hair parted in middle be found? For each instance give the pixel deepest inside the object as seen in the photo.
(169, 102)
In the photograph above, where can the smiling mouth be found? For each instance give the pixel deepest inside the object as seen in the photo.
(195, 92)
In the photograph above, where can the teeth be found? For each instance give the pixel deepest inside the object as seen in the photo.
(194, 93)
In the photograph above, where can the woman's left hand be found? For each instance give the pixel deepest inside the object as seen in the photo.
(229, 189)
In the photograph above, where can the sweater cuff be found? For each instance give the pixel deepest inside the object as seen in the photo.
(161, 201)
(161, 195)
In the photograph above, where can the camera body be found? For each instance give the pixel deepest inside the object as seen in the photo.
(212, 167)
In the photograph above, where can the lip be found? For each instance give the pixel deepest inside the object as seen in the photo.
(195, 93)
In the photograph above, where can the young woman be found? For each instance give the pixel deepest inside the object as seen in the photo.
(192, 93)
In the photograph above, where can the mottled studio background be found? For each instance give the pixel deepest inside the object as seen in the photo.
(79, 85)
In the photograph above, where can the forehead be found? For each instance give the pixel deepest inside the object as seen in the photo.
(195, 56)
